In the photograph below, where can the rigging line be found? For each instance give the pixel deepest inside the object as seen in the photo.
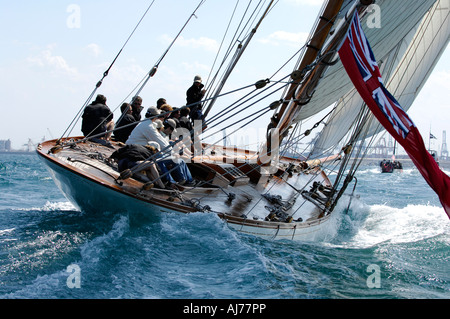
(254, 16)
(221, 43)
(358, 159)
(289, 143)
(345, 160)
(264, 108)
(234, 105)
(235, 36)
(228, 108)
(238, 54)
(298, 138)
(158, 62)
(179, 33)
(105, 74)
(358, 129)
(344, 100)
(77, 116)
(233, 41)
(239, 128)
(152, 72)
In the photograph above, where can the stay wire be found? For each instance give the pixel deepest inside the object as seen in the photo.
(153, 70)
(234, 41)
(266, 109)
(235, 105)
(105, 74)
(221, 44)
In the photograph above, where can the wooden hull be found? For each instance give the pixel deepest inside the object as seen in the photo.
(94, 187)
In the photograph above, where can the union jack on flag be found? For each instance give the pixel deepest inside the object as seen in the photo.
(370, 73)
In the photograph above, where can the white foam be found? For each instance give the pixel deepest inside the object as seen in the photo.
(58, 206)
(401, 225)
(6, 231)
(92, 250)
(51, 207)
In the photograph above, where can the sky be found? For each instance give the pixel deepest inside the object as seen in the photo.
(54, 52)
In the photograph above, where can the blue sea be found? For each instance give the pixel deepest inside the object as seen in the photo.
(393, 243)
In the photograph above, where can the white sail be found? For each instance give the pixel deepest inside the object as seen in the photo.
(397, 19)
(407, 67)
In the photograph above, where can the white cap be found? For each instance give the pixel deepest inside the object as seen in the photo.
(158, 123)
(172, 123)
(198, 79)
(152, 111)
(154, 144)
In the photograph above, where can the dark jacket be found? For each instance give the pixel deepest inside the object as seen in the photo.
(123, 134)
(193, 97)
(185, 122)
(129, 155)
(132, 152)
(95, 117)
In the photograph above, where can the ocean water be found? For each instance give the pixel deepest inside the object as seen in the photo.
(393, 243)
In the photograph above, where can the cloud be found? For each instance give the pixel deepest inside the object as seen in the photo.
(46, 59)
(287, 38)
(195, 43)
(93, 49)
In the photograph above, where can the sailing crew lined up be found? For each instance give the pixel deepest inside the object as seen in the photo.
(158, 131)
(98, 118)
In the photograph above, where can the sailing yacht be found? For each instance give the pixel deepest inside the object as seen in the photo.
(277, 191)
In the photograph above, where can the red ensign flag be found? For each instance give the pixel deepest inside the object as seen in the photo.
(359, 62)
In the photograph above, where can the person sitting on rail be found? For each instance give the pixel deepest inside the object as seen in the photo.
(132, 155)
(97, 119)
(122, 134)
(147, 132)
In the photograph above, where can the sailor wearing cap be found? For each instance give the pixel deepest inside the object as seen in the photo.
(193, 97)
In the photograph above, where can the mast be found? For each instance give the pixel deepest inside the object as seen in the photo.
(304, 80)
